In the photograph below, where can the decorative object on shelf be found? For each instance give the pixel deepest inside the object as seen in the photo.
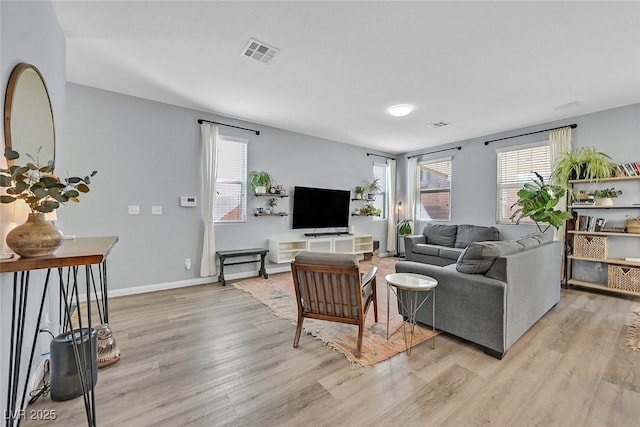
(359, 192)
(372, 188)
(43, 192)
(259, 182)
(370, 210)
(273, 203)
(537, 201)
(633, 225)
(605, 196)
(108, 351)
(585, 163)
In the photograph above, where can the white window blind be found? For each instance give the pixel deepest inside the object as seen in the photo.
(380, 171)
(435, 189)
(516, 167)
(231, 182)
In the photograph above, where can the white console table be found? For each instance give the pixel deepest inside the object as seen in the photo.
(285, 250)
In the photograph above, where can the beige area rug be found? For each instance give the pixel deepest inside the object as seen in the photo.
(633, 335)
(278, 294)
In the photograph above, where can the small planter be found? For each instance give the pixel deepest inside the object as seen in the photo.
(604, 201)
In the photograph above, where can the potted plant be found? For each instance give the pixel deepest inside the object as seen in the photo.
(370, 210)
(359, 192)
(273, 203)
(38, 187)
(372, 188)
(537, 201)
(605, 196)
(259, 182)
(405, 227)
(585, 163)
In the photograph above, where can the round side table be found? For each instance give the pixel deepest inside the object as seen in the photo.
(414, 284)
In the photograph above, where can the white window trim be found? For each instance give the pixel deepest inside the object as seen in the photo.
(418, 192)
(243, 182)
(497, 192)
(385, 214)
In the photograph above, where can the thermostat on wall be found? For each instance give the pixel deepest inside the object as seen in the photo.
(188, 201)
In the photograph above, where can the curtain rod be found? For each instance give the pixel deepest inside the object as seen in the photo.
(572, 126)
(380, 155)
(437, 151)
(231, 126)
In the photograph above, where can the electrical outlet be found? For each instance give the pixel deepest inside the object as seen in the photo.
(598, 266)
(187, 263)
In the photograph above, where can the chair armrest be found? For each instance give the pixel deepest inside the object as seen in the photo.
(411, 240)
(369, 276)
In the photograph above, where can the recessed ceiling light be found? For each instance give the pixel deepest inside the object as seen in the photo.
(400, 110)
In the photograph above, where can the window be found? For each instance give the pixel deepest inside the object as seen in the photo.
(381, 172)
(515, 167)
(435, 190)
(231, 182)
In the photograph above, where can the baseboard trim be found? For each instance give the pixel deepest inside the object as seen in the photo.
(186, 283)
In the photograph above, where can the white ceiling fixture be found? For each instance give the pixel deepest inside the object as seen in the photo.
(438, 124)
(259, 50)
(400, 110)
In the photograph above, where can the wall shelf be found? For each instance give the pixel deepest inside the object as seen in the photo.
(271, 214)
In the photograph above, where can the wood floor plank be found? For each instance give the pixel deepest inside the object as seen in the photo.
(214, 356)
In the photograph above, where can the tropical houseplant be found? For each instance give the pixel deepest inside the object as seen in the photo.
(373, 187)
(42, 191)
(370, 210)
(259, 182)
(605, 196)
(537, 201)
(405, 227)
(585, 163)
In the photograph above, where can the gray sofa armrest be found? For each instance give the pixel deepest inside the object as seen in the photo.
(411, 240)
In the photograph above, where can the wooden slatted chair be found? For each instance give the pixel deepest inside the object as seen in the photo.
(330, 287)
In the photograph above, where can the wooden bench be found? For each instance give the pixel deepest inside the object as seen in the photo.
(223, 256)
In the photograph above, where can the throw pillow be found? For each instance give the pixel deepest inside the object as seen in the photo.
(440, 234)
(478, 257)
(475, 233)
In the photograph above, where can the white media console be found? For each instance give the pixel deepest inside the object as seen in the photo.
(284, 250)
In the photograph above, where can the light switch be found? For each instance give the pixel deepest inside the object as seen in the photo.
(134, 210)
(156, 210)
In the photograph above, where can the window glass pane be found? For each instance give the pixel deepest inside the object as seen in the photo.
(435, 190)
(516, 167)
(230, 199)
(381, 202)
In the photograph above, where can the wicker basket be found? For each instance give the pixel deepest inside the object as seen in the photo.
(594, 247)
(623, 277)
(633, 225)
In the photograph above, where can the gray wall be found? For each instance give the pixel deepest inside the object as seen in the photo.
(29, 33)
(148, 153)
(615, 132)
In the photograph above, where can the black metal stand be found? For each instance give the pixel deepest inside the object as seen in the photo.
(14, 412)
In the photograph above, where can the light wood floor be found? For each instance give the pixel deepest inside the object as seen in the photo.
(211, 355)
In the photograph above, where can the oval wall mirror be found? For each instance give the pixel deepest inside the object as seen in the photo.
(28, 118)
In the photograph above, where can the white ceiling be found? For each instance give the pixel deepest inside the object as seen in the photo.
(485, 67)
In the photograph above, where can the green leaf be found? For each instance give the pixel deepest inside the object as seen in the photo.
(73, 180)
(51, 204)
(6, 181)
(83, 188)
(71, 193)
(31, 166)
(10, 154)
(21, 186)
(40, 192)
(46, 169)
(7, 199)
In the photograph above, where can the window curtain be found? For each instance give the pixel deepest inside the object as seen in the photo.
(560, 142)
(392, 215)
(412, 189)
(209, 166)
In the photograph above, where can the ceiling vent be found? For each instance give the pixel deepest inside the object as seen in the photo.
(438, 125)
(259, 51)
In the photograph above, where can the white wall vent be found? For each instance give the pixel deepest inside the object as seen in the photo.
(437, 125)
(260, 51)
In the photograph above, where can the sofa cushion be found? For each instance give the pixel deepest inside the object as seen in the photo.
(528, 242)
(450, 253)
(426, 249)
(475, 233)
(440, 234)
(478, 257)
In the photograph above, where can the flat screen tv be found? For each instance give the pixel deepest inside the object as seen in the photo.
(320, 207)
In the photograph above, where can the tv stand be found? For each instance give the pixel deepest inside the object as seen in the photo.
(285, 249)
(328, 233)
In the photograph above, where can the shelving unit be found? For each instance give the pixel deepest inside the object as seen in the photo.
(271, 214)
(628, 270)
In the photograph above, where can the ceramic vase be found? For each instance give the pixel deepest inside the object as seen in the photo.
(36, 237)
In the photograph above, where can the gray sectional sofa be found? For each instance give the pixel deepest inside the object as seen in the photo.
(495, 291)
(442, 244)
